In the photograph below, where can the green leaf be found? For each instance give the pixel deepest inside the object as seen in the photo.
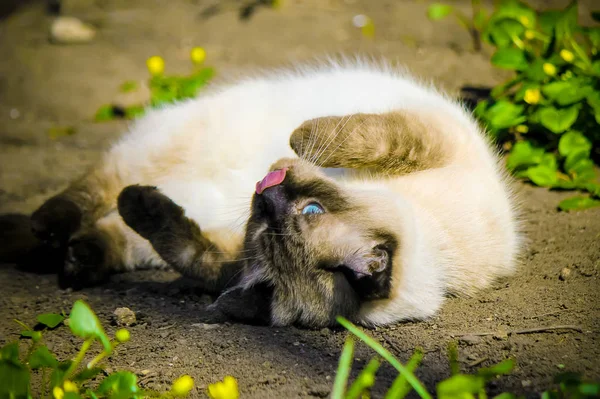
(558, 120)
(589, 389)
(438, 11)
(14, 380)
(574, 157)
(84, 323)
(504, 114)
(593, 99)
(524, 155)
(128, 86)
(502, 368)
(42, 357)
(343, 371)
(105, 113)
(72, 395)
(134, 111)
(50, 320)
(548, 21)
(542, 175)
(56, 132)
(578, 203)
(35, 335)
(567, 23)
(582, 171)
(479, 19)
(10, 352)
(87, 374)
(566, 92)
(459, 385)
(594, 36)
(573, 141)
(59, 372)
(505, 395)
(120, 385)
(535, 71)
(510, 58)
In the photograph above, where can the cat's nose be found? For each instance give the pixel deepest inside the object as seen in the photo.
(275, 202)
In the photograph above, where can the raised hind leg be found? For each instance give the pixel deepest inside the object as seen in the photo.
(210, 257)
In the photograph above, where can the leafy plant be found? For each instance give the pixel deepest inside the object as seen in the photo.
(457, 386)
(163, 89)
(475, 24)
(71, 379)
(548, 114)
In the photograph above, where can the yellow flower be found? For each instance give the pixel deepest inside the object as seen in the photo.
(524, 20)
(58, 393)
(182, 386)
(156, 65)
(530, 34)
(122, 335)
(549, 69)
(228, 389)
(532, 96)
(522, 128)
(198, 55)
(69, 386)
(567, 55)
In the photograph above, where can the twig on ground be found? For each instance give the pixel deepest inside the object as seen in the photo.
(527, 330)
(477, 362)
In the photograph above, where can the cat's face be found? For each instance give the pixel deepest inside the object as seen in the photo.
(315, 246)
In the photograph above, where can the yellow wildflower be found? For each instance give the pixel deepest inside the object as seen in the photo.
(549, 69)
(529, 34)
(122, 335)
(182, 386)
(532, 96)
(58, 393)
(567, 55)
(522, 128)
(198, 55)
(524, 20)
(156, 65)
(228, 389)
(69, 386)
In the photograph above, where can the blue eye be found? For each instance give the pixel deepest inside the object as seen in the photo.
(312, 209)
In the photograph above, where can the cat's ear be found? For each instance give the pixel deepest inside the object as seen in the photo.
(251, 305)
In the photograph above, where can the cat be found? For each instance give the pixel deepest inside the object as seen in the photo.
(377, 197)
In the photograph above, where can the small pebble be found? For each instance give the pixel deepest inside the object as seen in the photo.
(124, 316)
(69, 30)
(205, 326)
(525, 383)
(565, 273)
(470, 339)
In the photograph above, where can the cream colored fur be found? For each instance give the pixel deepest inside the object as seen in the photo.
(456, 223)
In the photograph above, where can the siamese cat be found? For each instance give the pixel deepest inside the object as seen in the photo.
(377, 196)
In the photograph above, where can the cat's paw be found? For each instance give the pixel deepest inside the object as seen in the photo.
(146, 210)
(87, 261)
(56, 221)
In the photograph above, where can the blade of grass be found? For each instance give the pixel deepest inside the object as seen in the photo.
(410, 377)
(453, 358)
(343, 371)
(365, 380)
(400, 387)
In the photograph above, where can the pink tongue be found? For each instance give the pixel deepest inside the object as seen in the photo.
(271, 179)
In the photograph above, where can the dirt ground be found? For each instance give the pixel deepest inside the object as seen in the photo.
(43, 85)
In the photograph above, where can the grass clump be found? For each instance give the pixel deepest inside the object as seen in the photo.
(548, 114)
(457, 386)
(73, 379)
(164, 89)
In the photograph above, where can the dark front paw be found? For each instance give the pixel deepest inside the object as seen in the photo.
(146, 210)
(88, 261)
(55, 221)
